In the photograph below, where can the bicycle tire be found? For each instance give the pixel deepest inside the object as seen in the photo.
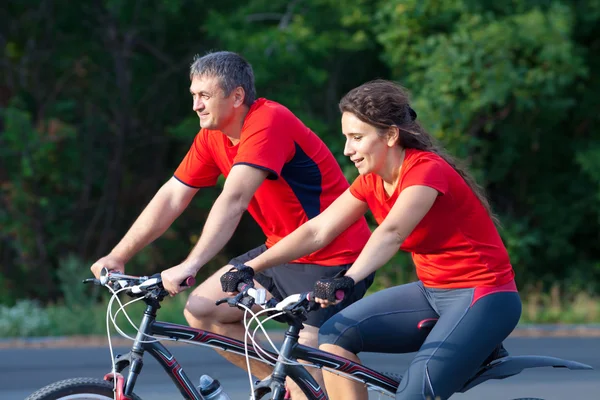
(87, 388)
(528, 398)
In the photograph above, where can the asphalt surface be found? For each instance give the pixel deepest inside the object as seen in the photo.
(23, 370)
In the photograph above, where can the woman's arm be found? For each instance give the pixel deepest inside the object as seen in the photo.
(313, 234)
(412, 205)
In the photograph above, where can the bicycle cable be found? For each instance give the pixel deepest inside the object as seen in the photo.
(257, 347)
(260, 325)
(111, 317)
(110, 347)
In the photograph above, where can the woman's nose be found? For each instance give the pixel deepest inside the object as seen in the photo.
(348, 151)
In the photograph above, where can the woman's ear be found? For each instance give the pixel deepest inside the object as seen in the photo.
(393, 136)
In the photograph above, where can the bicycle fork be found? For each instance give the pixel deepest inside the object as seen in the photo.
(134, 359)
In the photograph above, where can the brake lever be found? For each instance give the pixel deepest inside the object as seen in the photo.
(312, 306)
(232, 301)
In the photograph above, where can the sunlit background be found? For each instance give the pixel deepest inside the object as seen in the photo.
(95, 115)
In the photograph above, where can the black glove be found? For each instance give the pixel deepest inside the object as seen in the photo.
(240, 273)
(325, 288)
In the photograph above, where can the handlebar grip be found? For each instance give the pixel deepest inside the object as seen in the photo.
(242, 286)
(339, 295)
(189, 281)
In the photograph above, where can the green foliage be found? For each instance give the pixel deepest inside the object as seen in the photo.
(305, 55)
(95, 117)
(76, 296)
(501, 89)
(26, 318)
(589, 161)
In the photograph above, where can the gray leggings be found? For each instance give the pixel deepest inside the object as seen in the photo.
(468, 330)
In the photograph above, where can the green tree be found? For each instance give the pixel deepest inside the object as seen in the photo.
(95, 115)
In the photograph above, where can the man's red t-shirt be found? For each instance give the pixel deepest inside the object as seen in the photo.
(304, 177)
(456, 244)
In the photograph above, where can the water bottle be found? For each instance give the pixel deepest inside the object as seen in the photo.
(211, 389)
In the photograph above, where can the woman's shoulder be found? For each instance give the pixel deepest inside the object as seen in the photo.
(421, 155)
(365, 181)
(415, 157)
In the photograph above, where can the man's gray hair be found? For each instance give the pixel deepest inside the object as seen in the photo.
(231, 69)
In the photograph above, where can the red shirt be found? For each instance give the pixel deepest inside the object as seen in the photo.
(304, 177)
(456, 244)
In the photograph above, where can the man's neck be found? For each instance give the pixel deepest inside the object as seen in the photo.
(233, 130)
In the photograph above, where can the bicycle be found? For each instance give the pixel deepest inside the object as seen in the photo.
(291, 310)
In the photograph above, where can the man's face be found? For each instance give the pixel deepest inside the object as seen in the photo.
(210, 104)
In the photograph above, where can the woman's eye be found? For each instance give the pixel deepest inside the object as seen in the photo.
(357, 138)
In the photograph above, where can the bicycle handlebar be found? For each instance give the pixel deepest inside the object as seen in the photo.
(136, 285)
(294, 306)
(142, 285)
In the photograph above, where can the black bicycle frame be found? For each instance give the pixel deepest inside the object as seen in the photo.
(290, 349)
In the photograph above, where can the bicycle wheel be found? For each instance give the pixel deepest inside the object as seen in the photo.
(77, 389)
(528, 398)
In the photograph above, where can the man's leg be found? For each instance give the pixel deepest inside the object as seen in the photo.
(309, 336)
(202, 313)
(289, 279)
(339, 386)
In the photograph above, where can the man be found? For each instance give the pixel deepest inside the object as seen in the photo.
(276, 168)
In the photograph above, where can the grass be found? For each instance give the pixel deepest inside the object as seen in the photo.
(557, 306)
(83, 310)
(29, 319)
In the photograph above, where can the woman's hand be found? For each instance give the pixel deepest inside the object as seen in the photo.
(330, 291)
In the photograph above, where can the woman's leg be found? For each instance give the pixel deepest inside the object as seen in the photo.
(461, 340)
(382, 322)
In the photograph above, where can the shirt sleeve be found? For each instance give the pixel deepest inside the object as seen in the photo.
(266, 142)
(426, 172)
(357, 188)
(198, 168)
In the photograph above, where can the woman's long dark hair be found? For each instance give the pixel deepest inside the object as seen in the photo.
(385, 104)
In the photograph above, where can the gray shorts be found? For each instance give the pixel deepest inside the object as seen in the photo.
(287, 279)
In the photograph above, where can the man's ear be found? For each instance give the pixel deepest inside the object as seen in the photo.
(239, 94)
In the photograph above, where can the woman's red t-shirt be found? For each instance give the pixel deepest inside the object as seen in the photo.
(456, 244)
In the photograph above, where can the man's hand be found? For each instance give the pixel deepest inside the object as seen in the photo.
(109, 262)
(173, 277)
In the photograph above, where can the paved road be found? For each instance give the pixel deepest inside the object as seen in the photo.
(24, 370)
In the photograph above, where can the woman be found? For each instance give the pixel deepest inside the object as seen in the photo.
(426, 205)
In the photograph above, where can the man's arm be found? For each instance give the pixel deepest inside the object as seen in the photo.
(225, 214)
(314, 234)
(166, 205)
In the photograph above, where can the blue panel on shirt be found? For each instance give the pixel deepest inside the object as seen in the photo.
(304, 177)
